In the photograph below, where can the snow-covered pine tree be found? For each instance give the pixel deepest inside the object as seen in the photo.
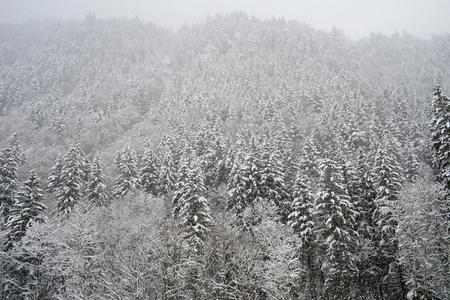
(8, 180)
(128, 175)
(194, 211)
(340, 240)
(167, 173)
(243, 184)
(309, 160)
(271, 181)
(13, 144)
(440, 135)
(27, 208)
(96, 188)
(302, 220)
(182, 175)
(148, 173)
(70, 191)
(54, 178)
(387, 186)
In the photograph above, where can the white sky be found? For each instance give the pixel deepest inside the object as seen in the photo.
(356, 18)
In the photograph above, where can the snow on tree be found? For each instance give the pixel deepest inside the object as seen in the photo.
(422, 235)
(302, 220)
(194, 212)
(128, 177)
(309, 160)
(70, 191)
(28, 208)
(387, 186)
(13, 144)
(54, 178)
(96, 188)
(440, 135)
(8, 179)
(167, 173)
(148, 173)
(340, 241)
(182, 176)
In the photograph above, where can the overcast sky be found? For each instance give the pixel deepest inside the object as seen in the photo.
(356, 18)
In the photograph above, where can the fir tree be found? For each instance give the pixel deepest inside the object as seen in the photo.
(13, 144)
(302, 220)
(148, 173)
(70, 191)
(8, 179)
(28, 208)
(340, 240)
(309, 160)
(96, 189)
(182, 176)
(440, 135)
(387, 186)
(167, 173)
(194, 210)
(128, 177)
(54, 178)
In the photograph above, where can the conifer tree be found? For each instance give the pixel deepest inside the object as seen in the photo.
(309, 160)
(302, 220)
(128, 177)
(148, 174)
(96, 189)
(13, 144)
(440, 135)
(28, 207)
(194, 210)
(167, 173)
(54, 178)
(182, 175)
(271, 184)
(387, 185)
(243, 185)
(70, 191)
(8, 179)
(340, 240)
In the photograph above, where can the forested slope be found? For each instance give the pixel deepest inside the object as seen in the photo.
(233, 159)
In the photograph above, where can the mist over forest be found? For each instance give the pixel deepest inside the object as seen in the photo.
(233, 158)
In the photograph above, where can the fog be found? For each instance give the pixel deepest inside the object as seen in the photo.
(356, 18)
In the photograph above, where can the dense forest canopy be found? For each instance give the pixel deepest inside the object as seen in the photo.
(233, 159)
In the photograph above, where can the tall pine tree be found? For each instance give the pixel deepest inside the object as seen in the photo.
(70, 191)
(340, 241)
(96, 188)
(28, 207)
(128, 177)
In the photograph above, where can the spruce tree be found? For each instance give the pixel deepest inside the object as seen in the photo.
(440, 135)
(54, 178)
(194, 211)
(28, 207)
(70, 191)
(387, 186)
(148, 173)
(8, 180)
(309, 160)
(271, 181)
(340, 240)
(13, 144)
(182, 176)
(302, 220)
(128, 178)
(96, 188)
(167, 173)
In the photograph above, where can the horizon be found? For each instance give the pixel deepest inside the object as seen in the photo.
(357, 19)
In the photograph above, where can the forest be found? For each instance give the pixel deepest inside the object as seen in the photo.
(235, 158)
